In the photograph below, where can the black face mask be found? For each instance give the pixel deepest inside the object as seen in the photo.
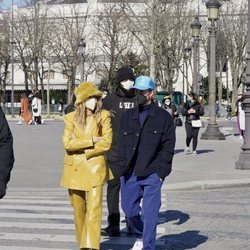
(141, 99)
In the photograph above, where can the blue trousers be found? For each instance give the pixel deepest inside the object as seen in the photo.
(143, 220)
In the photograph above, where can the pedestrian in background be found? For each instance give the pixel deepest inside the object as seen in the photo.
(146, 149)
(229, 111)
(60, 107)
(117, 103)
(169, 106)
(192, 110)
(87, 135)
(25, 113)
(240, 116)
(37, 108)
(71, 106)
(6, 153)
(172, 109)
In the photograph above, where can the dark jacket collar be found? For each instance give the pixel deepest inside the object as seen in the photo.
(151, 112)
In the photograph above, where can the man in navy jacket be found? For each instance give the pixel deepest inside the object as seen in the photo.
(146, 149)
(6, 153)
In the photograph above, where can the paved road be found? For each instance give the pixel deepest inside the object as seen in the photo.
(41, 218)
(36, 213)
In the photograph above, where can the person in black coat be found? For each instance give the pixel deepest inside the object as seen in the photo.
(146, 149)
(122, 99)
(6, 153)
(192, 110)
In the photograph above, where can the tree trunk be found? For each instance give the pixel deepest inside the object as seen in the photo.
(220, 82)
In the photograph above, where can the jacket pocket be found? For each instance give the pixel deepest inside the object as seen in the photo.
(154, 136)
(127, 137)
(68, 159)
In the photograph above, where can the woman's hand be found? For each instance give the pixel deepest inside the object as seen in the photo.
(191, 111)
(72, 135)
(97, 139)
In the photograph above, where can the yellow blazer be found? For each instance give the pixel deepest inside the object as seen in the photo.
(84, 162)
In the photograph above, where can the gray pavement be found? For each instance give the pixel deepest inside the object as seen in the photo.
(39, 158)
(199, 210)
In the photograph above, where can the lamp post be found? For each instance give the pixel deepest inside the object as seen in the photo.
(196, 27)
(12, 60)
(70, 75)
(212, 131)
(81, 52)
(244, 157)
(186, 57)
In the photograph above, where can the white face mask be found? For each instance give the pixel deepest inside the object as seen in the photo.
(91, 103)
(167, 102)
(127, 84)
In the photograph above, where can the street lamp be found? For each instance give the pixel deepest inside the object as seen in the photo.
(244, 157)
(212, 131)
(69, 73)
(196, 27)
(81, 52)
(12, 60)
(186, 57)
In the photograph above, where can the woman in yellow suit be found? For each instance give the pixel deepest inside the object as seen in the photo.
(87, 135)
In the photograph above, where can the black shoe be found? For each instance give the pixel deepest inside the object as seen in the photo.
(111, 231)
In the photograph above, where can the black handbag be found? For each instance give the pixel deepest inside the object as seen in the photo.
(178, 122)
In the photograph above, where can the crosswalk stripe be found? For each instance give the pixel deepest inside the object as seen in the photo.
(64, 238)
(14, 224)
(28, 248)
(36, 208)
(43, 219)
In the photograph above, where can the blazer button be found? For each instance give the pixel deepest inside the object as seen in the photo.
(134, 149)
(155, 132)
(137, 134)
(75, 170)
(125, 133)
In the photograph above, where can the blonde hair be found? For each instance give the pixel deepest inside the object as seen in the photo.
(81, 112)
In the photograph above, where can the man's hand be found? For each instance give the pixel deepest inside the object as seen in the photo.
(97, 139)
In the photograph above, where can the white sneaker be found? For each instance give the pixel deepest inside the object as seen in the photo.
(19, 123)
(42, 121)
(138, 245)
(241, 137)
(194, 152)
(187, 151)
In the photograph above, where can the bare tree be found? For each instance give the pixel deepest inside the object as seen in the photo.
(234, 26)
(5, 58)
(162, 39)
(64, 39)
(115, 41)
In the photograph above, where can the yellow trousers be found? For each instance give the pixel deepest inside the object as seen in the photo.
(87, 214)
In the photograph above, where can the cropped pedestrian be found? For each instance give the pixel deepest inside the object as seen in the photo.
(229, 111)
(146, 149)
(117, 103)
(37, 108)
(6, 153)
(25, 113)
(60, 107)
(87, 135)
(192, 110)
(169, 106)
(240, 116)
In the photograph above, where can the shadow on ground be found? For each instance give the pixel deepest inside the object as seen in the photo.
(173, 215)
(185, 240)
(202, 151)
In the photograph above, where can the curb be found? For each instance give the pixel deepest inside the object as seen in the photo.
(207, 185)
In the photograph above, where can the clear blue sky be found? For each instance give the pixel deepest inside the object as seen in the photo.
(7, 3)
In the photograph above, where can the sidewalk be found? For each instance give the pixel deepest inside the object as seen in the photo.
(213, 167)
